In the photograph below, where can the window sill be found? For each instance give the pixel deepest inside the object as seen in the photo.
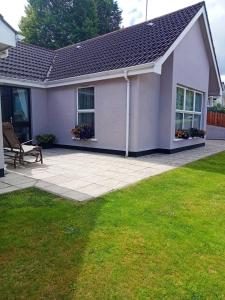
(194, 138)
(88, 140)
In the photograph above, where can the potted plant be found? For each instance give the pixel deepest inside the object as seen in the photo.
(201, 133)
(83, 132)
(46, 141)
(182, 134)
(193, 132)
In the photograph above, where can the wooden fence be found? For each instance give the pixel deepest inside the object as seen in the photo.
(216, 119)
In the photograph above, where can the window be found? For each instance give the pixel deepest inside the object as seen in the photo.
(20, 105)
(188, 109)
(86, 108)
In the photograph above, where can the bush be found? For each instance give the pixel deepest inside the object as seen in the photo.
(46, 140)
(218, 108)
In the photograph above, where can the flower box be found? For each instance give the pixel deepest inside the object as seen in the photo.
(190, 134)
(82, 132)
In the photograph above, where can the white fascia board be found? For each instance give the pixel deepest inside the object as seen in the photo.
(113, 74)
(20, 82)
(212, 51)
(131, 71)
(202, 12)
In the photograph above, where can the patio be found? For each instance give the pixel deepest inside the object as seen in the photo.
(81, 176)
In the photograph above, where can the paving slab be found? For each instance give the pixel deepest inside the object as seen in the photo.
(4, 185)
(83, 175)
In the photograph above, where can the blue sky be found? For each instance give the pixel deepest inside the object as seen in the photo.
(134, 12)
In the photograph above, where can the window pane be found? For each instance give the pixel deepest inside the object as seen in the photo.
(179, 121)
(180, 99)
(188, 121)
(198, 102)
(189, 100)
(20, 105)
(87, 119)
(197, 121)
(86, 98)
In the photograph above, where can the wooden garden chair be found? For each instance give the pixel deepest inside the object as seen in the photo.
(17, 151)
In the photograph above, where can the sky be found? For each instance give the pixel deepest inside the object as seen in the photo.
(134, 13)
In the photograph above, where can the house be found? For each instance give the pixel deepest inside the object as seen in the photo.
(133, 87)
(8, 38)
(214, 101)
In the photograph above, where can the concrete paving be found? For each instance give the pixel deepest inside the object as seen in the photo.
(82, 176)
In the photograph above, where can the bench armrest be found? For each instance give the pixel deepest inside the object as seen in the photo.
(27, 142)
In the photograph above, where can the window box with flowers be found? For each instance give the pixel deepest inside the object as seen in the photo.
(190, 134)
(82, 132)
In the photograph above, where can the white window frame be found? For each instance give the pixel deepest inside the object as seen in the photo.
(184, 111)
(83, 111)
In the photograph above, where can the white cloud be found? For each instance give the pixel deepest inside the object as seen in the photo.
(134, 12)
(12, 11)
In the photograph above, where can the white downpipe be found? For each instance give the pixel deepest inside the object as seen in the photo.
(127, 113)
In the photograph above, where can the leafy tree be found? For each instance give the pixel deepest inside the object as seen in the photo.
(58, 23)
(109, 16)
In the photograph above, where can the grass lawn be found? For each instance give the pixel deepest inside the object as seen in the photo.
(163, 238)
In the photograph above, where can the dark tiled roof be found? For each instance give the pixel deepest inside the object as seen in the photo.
(27, 62)
(139, 44)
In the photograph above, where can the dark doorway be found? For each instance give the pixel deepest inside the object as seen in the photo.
(16, 109)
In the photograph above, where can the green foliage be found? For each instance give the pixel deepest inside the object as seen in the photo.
(109, 16)
(163, 238)
(56, 23)
(45, 139)
(217, 108)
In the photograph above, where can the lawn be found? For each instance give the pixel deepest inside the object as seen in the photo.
(163, 238)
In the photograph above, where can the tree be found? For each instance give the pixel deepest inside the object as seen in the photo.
(109, 16)
(58, 23)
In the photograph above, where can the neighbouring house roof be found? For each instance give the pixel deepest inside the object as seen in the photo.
(132, 46)
(8, 37)
(7, 24)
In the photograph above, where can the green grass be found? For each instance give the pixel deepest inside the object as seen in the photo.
(163, 238)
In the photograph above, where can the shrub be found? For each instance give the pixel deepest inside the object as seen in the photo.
(218, 108)
(46, 140)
